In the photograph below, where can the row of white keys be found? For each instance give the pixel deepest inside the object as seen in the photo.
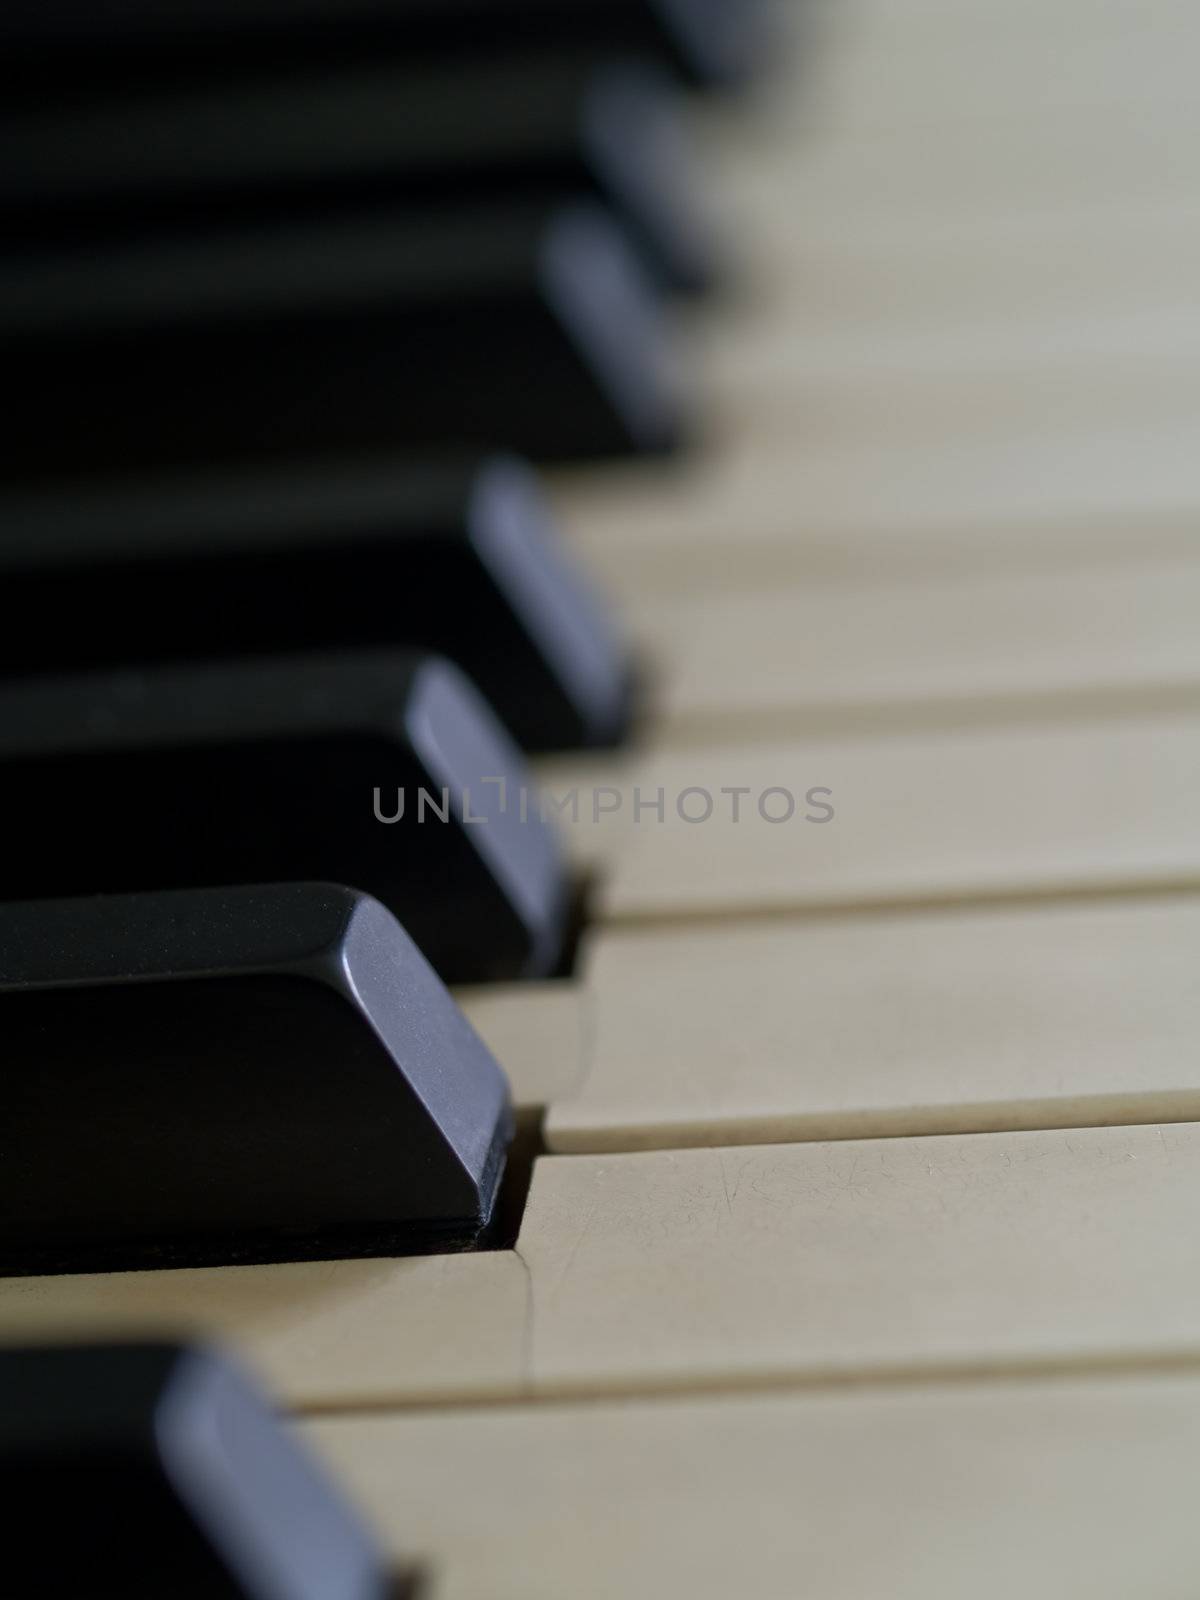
(806, 1263)
(1081, 1488)
(943, 298)
(949, 364)
(1091, 1006)
(758, 1266)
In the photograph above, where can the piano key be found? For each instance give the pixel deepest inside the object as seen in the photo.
(460, 560)
(1059, 1015)
(952, 1254)
(970, 82)
(752, 512)
(1006, 178)
(828, 657)
(324, 1333)
(393, 136)
(264, 1073)
(165, 1472)
(986, 264)
(755, 1267)
(1097, 804)
(708, 42)
(1061, 1487)
(366, 1308)
(951, 337)
(380, 770)
(485, 327)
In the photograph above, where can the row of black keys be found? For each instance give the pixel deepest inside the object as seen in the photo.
(245, 238)
(200, 1073)
(309, 255)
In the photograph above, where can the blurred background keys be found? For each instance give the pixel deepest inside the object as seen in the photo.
(542, 132)
(487, 326)
(708, 41)
(147, 1470)
(252, 772)
(458, 559)
(248, 1074)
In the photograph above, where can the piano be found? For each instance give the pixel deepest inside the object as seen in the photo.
(599, 740)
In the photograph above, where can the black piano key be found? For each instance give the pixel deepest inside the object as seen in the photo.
(482, 327)
(265, 1073)
(148, 1470)
(47, 42)
(461, 560)
(544, 131)
(380, 770)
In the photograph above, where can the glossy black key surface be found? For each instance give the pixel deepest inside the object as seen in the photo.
(282, 770)
(152, 1470)
(490, 327)
(543, 131)
(459, 559)
(248, 1074)
(709, 41)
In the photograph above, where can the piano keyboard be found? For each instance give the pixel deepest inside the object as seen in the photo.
(836, 939)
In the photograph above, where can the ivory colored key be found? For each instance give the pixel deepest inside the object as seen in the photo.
(1067, 1488)
(917, 23)
(961, 1021)
(1007, 174)
(946, 378)
(769, 1264)
(1081, 806)
(1085, 80)
(832, 657)
(759, 506)
(324, 1334)
(736, 1268)
(957, 275)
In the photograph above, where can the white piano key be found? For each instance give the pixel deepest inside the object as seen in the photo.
(1081, 74)
(338, 1334)
(769, 1264)
(760, 507)
(1065, 1488)
(1019, 1017)
(808, 658)
(1082, 806)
